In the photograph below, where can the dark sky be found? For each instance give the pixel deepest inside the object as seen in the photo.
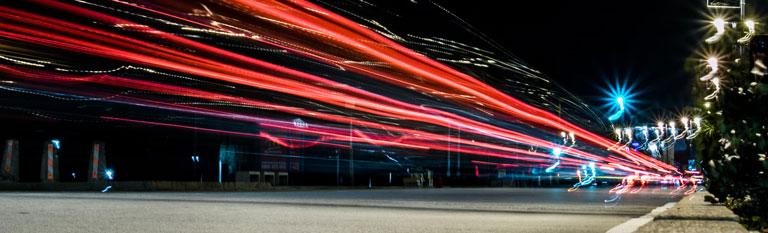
(582, 43)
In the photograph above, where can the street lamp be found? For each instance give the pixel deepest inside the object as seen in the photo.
(557, 151)
(750, 32)
(628, 131)
(620, 101)
(712, 63)
(750, 25)
(619, 98)
(716, 83)
(719, 24)
(195, 166)
(672, 128)
(56, 143)
(109, 174)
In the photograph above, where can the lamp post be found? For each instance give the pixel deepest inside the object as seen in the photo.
(195, 163)
(620, 102)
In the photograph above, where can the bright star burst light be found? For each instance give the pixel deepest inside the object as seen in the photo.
(557, 151)
(620, 99)
(719, 24)
(110, 174)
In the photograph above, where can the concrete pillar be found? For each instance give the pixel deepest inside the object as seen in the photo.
(9, 170)
(49, 168)
(98, 164)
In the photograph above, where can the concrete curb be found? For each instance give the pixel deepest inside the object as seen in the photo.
(693, 214)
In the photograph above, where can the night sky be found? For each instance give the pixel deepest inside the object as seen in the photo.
(582, 44)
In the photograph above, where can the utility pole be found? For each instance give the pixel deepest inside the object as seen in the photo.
(350, 106)
(448, 170)
(458, 150)
(338, 181)
(742, 9)
(351, 157)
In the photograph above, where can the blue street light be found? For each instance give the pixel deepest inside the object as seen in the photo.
(56, 143)
(110, 174)
(551, 168)
(620, 99)
(557, 151)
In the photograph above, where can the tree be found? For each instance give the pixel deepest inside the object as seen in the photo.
(733, 99)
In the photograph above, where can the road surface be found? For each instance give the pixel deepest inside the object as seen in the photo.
(378, 210)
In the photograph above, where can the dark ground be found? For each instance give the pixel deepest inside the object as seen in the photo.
(394, 210)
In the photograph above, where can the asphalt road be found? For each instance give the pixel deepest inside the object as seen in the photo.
(382, 210)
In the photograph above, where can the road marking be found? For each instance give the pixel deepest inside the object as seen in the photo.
(633, 224)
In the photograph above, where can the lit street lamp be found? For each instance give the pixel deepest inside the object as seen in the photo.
(620, 101)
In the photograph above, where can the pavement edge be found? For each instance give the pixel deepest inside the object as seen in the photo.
(690, 214)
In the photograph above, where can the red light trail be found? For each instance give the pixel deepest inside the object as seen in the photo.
(300, 28)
